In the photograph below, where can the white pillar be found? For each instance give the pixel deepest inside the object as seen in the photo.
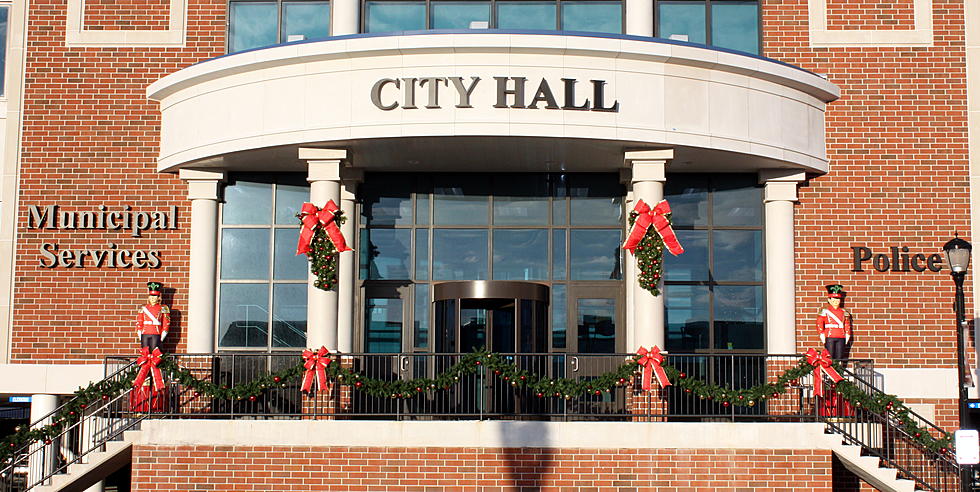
(780, 197)
(321, 310)
(43, 462)
(347, 281)
(639, 17)
(203, 190)
(344, 17)
(648, 177)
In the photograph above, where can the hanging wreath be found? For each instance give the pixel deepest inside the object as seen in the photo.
(647, 243)
(321, 240)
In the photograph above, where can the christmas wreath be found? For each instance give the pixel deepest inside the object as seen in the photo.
(321, 240)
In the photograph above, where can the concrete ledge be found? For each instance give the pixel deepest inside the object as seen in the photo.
(484, 434)
(51, 379)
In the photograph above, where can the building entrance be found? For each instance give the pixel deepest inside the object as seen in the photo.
(502, 316)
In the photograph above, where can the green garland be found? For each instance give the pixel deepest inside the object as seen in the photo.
(323, 256)
(649, 257)
(471, 363)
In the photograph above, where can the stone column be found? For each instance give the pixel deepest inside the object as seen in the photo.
(780, 198)
(203, 190)
(345, 17)
(347, 283)
(321, 311)
(43, 462)
(639, 17)
(648, 177)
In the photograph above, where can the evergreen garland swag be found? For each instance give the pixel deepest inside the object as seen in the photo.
(323, 255)
(492, 363)
(649, 256)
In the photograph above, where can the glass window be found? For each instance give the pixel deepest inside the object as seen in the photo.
(288, 264)
(383, 326)
(421, 315)
(596, 326)
(693, 264)
(422, 254)
(522, 202)
(558, 254)
(311, 20)
(289, 315)
(458, 15)
(248, 203)
(592, 16)
(559, 316)
(289, 201)
(243, 315)
(386, 201)
(385, 253)
(4, 11)
(460, 200)
(594, 254)
(245, 254)
(459, 254)
(688, 315)
(735, 25)
(737, 202)
(527, 15)
(388, 16)
(682, 18)
(520, 254)
(737, 256)
(738, 317)
(595, 200)
(254, 24)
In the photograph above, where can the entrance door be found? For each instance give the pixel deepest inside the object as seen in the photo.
(487, 323)
(500, 316)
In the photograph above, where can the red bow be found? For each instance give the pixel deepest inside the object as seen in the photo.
(656, 217)
(148, 363)
(312, 218)
(316, 363)
(650, 360)
(822, 363)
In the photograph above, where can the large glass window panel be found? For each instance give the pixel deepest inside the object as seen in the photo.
(559, 192)
(461, 200)
(592, 16)
(388, 16)
(423, 207)
(387, 200)
(520, 200)
(558, 254)
(383, 325)
(520, 254)
(735, 25)
(287, 265)
(459, 254)
(526, 15)
(247, 203)
(739, 317)
(596, 325)
(289, 201)
(458, 15)
(289, 315)
(309, 19)
(252, 25)
(385, 253)
(594, 254)
(737, 256)
(421, 316)
(422, 254)
(693, 264)
(245, 254)
(684, 17)
(3, 47)
(595, 200)
(688, 315)
(243, 315)
(737, 201)
(688, 198)
(559, 316)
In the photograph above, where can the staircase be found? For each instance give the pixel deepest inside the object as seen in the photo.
(869, 468)
(98, 465)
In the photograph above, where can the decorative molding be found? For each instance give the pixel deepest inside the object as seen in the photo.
(822, 37)
(174, 36)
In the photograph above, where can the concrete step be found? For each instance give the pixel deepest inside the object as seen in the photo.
(96, 467)
(870, 469)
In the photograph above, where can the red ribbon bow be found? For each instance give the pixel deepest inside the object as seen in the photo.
(651, 361)
(316, 363)
(312, 218)
(652, 216)
(822, 364)
(148, 363)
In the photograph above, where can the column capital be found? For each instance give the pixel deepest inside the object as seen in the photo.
(323, 164)
(318, 154)
(781, 184)
(203, 184)
(646, 165)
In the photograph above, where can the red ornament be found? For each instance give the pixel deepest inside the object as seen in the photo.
(252, 398)
(523, 378)
(418, 389)
(725, 404)
(47, 441)
(358, 384)
(540, 395)
(84, 406)
(918, 434)
(277, 379)
(196, 394)
(105, 397)
(682, 375)
(687, 390)
(496, 372)
(478, 362)
(740, 397)
(597, 392)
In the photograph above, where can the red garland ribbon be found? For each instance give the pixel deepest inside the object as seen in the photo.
(148, 363)
(822, 364)
(312, 218)
(652, 216)
(651, 361)
(316, 363)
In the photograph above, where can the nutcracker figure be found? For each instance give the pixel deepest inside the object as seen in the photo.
(153, 318)
(834, 322)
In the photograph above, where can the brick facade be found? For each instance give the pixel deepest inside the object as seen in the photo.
(234, 468)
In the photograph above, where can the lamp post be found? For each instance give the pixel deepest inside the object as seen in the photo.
(958, 256)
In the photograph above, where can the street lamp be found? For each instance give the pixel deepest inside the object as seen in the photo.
(958, 256)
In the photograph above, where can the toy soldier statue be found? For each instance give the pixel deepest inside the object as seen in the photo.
(153, 318)
(834, 322)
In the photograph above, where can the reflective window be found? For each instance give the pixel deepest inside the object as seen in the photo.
(527, 15)
(388, 16)
(714, 291)
(733, 24)
(520, 254)
(459, 15)
(594, 254)
(262, 282)
(385, 253)
(596, 326)
(383, 325)
(4, 11)
(547, 15)
(255, 24)
(459, 254)
(592, 16)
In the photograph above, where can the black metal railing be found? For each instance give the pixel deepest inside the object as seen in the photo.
(884, 435)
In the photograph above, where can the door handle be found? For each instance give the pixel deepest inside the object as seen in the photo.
(574, 364)
(404, 363)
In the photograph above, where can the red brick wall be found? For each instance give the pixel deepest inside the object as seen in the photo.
(124, 15)
(863, 14)
(227, 468)
(91, 138)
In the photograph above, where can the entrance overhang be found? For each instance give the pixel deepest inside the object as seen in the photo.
(437, 101)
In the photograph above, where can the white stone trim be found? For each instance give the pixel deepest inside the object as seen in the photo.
(174, 36)
(55, 379)
(920, 382)
(485, 434)
(822, 37)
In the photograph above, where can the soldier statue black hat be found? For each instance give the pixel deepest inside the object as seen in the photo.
(836, 291)
(154, 288)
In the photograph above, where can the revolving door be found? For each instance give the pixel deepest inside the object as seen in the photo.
(502, 316)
